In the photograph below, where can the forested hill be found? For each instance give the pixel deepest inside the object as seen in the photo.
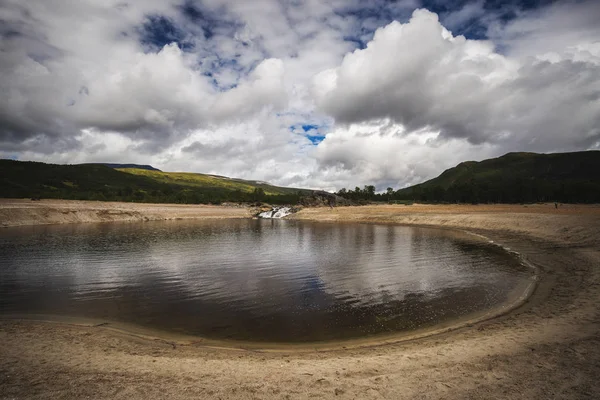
(20, 179)
(515, 178)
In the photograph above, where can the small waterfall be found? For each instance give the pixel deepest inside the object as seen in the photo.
(276, 212)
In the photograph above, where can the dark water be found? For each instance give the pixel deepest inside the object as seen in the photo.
(258, 280)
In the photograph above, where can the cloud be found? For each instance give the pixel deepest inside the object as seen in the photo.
(464, 15)
(383, 153)
(58, 84)
(225, 86)
(264, 87)
(563, 30)
(420, 76)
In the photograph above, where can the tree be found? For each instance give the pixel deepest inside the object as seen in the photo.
(389, 192)
(369, 192)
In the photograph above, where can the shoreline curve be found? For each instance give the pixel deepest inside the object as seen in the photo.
(549, 347)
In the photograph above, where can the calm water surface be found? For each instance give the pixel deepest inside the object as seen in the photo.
(258, 280)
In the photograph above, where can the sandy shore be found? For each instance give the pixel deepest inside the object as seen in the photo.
(15, 212)
(548, 348)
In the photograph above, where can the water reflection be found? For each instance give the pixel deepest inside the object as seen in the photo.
(261, 280)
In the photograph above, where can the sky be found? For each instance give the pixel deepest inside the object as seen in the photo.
(319, 94)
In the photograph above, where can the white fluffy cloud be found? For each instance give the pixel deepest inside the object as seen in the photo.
(384, 152)
(421, 76)
(243, 88)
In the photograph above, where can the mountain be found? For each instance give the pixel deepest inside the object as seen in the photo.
(515, 178)
(21, 179)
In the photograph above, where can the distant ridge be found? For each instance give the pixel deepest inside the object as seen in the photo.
(515, 178)
(136, 166)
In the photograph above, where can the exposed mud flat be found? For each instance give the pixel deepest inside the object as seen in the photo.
(548, 348)
(18, 212)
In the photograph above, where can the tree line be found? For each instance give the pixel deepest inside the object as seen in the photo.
(513, 191)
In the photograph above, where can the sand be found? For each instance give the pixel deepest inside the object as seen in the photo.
(548, 348)
(15, 212)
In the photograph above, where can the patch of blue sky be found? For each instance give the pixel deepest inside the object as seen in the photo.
(312, 132)
(358, 42)
(195, 25)
(309, 127)
(377, 10)
(371, 15)
(315, 139)
(516, 4)
(213, 66)
(198, 17)
(474, 30)
(476, 26)
(159, 31)
(210, 22)
(228, 63)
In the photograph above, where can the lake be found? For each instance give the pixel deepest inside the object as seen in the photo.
(278, 281)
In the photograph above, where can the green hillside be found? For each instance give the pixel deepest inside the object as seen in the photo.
(515, 178)
(20, 179)
(194, 180)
